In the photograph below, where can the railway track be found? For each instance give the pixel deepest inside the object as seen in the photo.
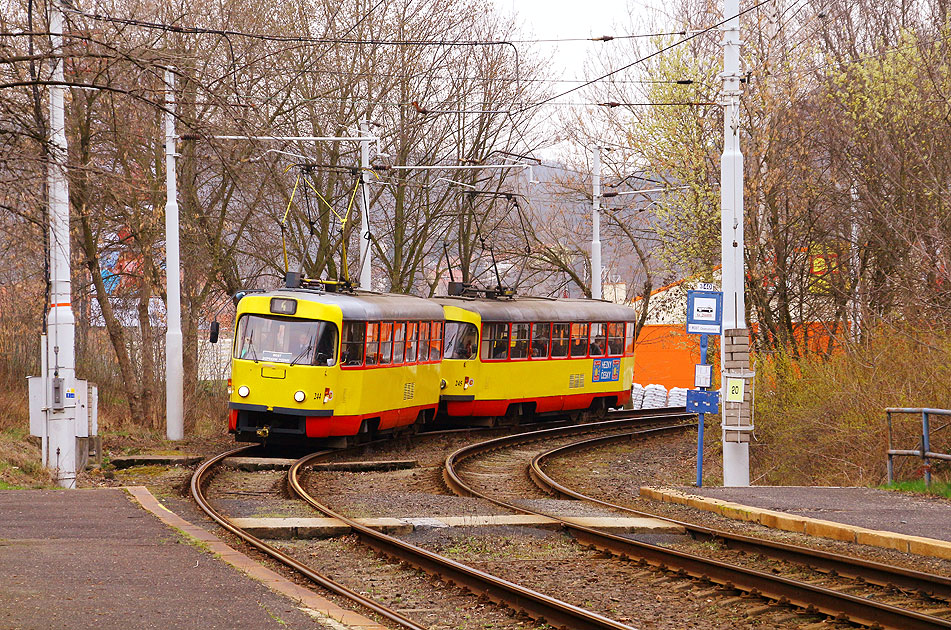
(809, 597)
(927, 584)
(536, 605)
(199, 480)
(539, 606)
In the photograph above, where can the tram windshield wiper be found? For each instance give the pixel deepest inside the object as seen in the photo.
(249, 348)
(304, 351)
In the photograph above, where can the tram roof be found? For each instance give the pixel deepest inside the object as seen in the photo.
(369, 306)
(539, 309)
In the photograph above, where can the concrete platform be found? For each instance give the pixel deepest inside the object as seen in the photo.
(96, 559)
(288, 528)
(911, 523)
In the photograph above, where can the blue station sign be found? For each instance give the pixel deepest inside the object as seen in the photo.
(704, 312)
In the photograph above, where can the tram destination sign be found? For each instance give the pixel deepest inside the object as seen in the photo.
(704, 312)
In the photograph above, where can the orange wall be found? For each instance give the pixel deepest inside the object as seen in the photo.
(666, 355)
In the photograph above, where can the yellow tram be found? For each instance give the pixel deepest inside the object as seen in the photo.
(313, 364)
(527, 356)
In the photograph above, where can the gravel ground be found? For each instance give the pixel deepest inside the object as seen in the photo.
(547, 561)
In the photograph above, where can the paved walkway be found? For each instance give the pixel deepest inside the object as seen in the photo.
(870, 508)
(95, 559)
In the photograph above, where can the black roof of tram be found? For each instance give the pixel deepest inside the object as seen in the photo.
(369, 306)
(536, 309)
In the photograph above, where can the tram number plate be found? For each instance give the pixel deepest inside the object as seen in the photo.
(606, 370)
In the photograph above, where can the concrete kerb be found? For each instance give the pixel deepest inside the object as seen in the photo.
(803, 524)
(297, 528)
(319, 607)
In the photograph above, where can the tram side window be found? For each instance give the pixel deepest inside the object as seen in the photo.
(351, 344)
(424, 341)
(519, 343)
(629, 339)
(599, 339)
(541, 334)
(326, 345)
(412, 341)
(399, 341)
(495, 341)
(616, 339)
(579, 340)
(559, 340)
(435, 341)
(386, 343)
(373, 343)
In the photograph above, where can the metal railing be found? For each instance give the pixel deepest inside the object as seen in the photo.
(924, 452)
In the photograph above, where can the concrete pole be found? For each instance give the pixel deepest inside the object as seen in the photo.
(596, 227)
(364, 200)
(736, 455)
(61, 324)
(855, 312)
(174, 377)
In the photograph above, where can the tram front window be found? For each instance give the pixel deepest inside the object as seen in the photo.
(280, 340)
(462, 341)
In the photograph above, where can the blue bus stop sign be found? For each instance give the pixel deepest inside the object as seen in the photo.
(704, 312)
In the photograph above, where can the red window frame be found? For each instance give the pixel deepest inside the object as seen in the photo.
(363, 358)
(513, 341)
(629, 339)
(372, 337)
(488, 344)
(551, 344)
(435, 342)
(386, 337)
(399, 342)
(572, 337)
(411, 343)
(591, 339)
(610, 336)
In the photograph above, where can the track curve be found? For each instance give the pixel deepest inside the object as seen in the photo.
(201, 476)
(537, 605)
(803, 595)
(936, 586)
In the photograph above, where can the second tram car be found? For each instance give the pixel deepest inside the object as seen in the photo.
(527, 356)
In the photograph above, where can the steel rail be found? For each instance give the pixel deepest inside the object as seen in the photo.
(937, 586)
(784, 590)
(197, 481)
(537, 605)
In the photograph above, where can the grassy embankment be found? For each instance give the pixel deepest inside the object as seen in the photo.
(20, 463)
(822, 421)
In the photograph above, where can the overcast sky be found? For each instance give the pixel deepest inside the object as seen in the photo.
(560, 19)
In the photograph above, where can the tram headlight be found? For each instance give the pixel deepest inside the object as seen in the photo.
(300, 396)
(243, 391)
(442, 384)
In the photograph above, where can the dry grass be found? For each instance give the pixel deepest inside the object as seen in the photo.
(822, 422)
